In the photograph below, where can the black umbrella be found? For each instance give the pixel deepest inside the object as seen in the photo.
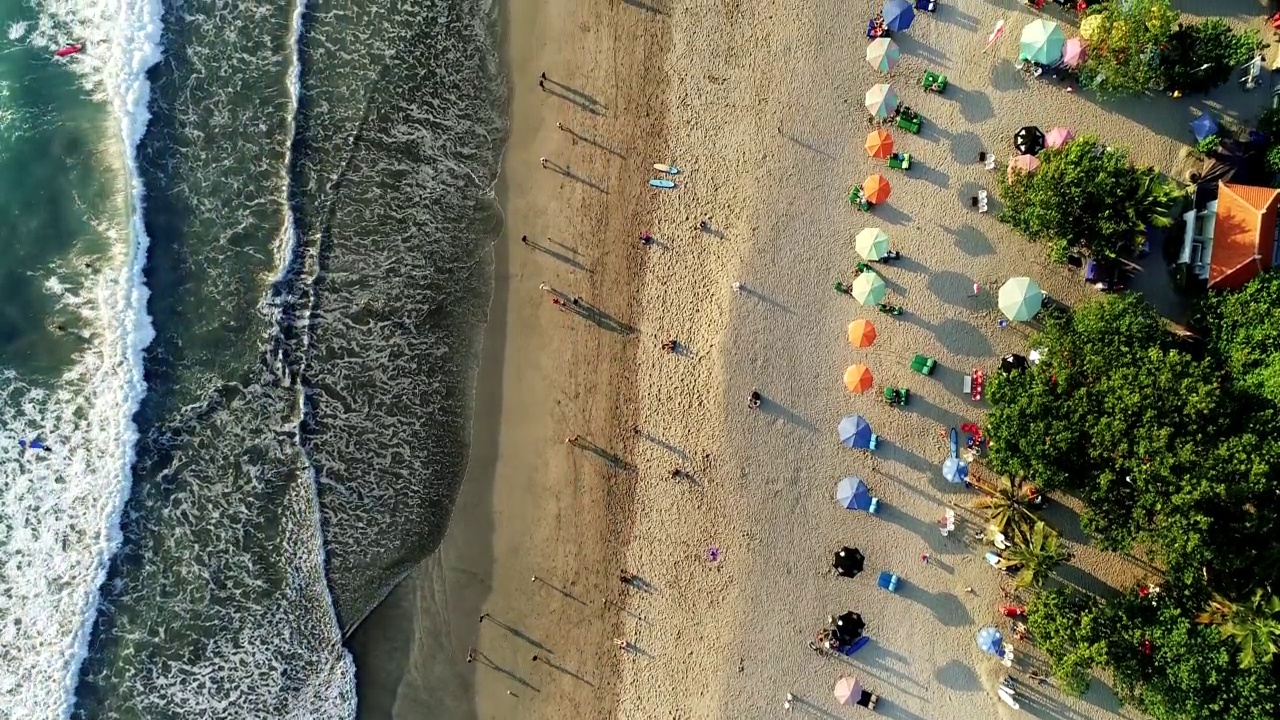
(1029, 140)
(848, 561)
(848, 627)
(1012, 362)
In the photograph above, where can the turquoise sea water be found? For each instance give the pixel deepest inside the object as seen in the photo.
(293, 258)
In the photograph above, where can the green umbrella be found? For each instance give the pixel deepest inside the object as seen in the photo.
(1042, 42)
(1020, 298)
(883, 54)
(868, 288)
(871, 243)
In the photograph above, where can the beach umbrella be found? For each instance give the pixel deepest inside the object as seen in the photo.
(1204, 126)
(1029, 140)
(1014, 362)
(1023, 164)
(1042, 41)
(1090, 25)
(1058, 137)
(991, 641)
(868, 288)
(849, 626)
(848, 561)
(879, 144)
(848, 690)
(883, 54)
(855, 432)
(898, 15)
(876, 188)
(1020, 298)
(881, 100)
(871, 243)
(858, 378)
(853, 494)
(861, 333)
(1073, 52)
(955, 470)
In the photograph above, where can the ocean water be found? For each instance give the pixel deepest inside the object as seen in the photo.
(247, 274)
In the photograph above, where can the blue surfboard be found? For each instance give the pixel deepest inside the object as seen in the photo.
(664, 184)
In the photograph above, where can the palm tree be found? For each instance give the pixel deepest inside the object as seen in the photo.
(1035, 555)
(1008, 506)
(1255, 625)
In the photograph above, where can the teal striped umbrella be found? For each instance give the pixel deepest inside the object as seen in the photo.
(1042, 42)
(881, 100)
(883, 54)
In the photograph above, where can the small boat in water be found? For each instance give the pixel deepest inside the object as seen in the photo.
(68, 50)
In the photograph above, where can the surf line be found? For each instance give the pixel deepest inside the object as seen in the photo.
(133, 47)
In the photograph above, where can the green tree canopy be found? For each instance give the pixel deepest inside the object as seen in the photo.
(1086, 197)
(1201, 56)
(1124, 45)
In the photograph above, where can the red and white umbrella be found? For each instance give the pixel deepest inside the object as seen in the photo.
(995, 34)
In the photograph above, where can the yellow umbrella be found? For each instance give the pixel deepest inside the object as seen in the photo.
(858, 378)
(1090, 26)
(861, 333)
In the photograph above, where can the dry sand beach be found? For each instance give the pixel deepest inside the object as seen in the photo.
(761, 106)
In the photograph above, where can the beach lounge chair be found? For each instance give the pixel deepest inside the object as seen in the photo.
(933, 81)
(927, 5)
(856, 199)
(900, 161)
(888, 581)
(923, 364)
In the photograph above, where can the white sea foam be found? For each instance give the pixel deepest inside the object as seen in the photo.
(60, 516)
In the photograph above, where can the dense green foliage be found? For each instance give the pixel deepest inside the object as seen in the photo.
(1201, 56)
(1123, 56)
(1172, 445)
(1087, 198)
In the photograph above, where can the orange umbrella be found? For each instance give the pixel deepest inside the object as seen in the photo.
(858, 378)
(861, 333)
(876, 189)
(879, 144)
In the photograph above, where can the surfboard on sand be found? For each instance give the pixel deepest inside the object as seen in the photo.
(664, 184)
(668, 169)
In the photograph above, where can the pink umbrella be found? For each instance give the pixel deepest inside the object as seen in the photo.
(848, 690)
(1022, 163)
(1073, 52)
(1058, 137)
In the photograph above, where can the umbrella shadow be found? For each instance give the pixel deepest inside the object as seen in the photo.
(929, 174)
(971, 241)
(931, 55)
(1006, 77)
(965, 147)
(951, 14)
(975, 106)
(945, 606)
(953, 288)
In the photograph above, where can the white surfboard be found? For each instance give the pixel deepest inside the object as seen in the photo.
(668, 169)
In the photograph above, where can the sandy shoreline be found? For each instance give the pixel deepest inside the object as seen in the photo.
(532, 505)
(762, 107)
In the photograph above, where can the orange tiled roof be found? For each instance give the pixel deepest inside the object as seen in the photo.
(1244, 234)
